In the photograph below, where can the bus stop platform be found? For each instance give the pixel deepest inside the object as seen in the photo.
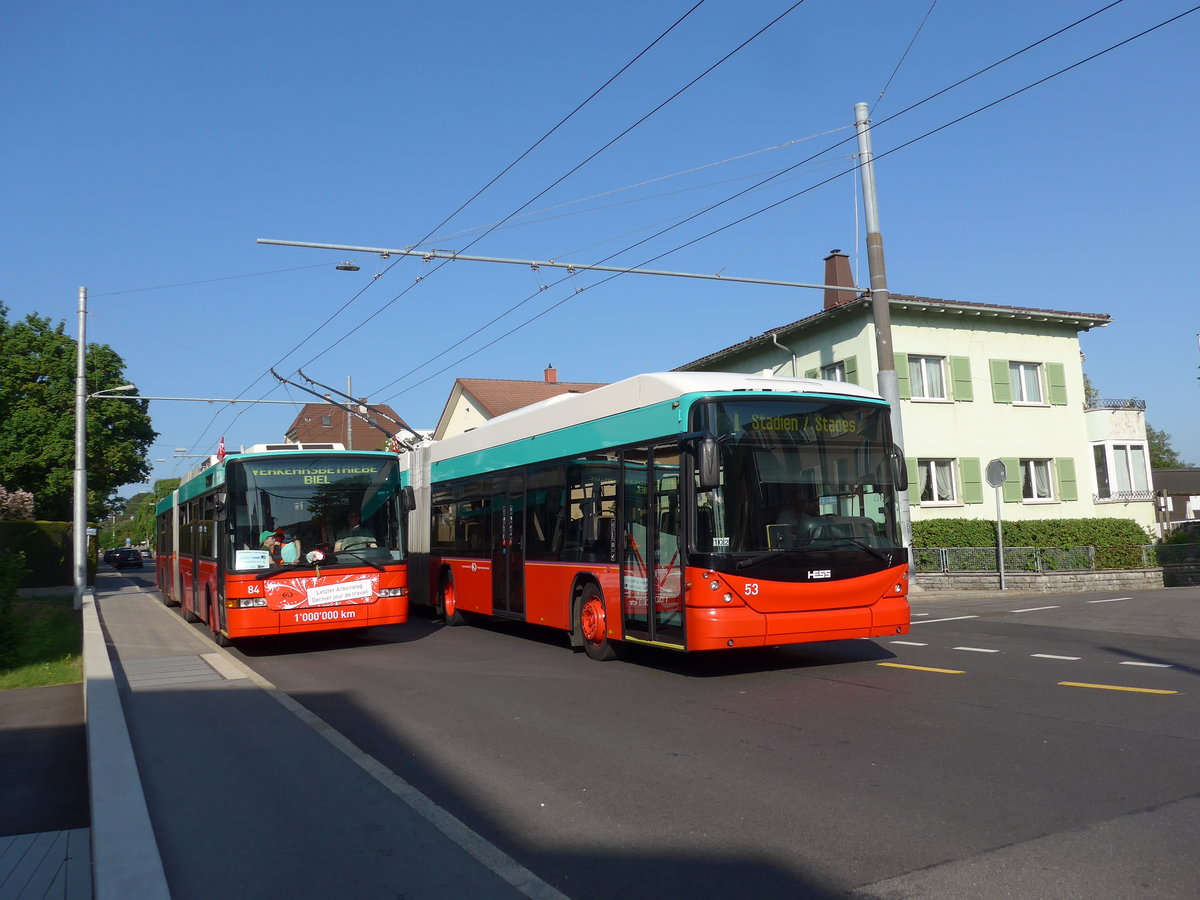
(205, 780)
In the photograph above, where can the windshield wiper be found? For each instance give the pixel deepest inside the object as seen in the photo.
(878, 554)
(743, 564)
(281, 569)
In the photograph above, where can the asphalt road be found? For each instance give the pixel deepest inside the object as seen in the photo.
(1008, 746)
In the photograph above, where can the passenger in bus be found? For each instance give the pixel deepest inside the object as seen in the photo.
(355, 536)
(801, 518)
(282, 549)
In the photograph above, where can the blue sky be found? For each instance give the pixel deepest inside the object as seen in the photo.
(149, 145)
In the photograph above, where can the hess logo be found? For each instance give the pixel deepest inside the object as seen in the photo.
(814, 574)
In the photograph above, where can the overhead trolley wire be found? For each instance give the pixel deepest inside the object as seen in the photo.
(854, 168)
(448, 218)
(580, 165)
(771, 178)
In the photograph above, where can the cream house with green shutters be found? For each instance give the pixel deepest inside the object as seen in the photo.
(977, 382)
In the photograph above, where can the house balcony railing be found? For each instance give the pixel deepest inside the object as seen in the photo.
(1116, 404)
(1123, 497)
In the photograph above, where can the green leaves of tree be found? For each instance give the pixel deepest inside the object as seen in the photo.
(37, 419)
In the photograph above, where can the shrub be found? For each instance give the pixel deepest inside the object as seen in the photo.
(12, 570)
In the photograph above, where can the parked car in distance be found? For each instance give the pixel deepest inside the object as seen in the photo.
(127, 558)
(108, 554)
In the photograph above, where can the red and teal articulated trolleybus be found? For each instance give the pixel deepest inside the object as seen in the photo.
(685, 510)
(285, 538)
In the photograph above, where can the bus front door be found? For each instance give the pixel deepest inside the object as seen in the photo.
(651, 590)
(508, 545)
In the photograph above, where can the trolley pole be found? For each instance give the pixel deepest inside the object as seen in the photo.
(889, 384)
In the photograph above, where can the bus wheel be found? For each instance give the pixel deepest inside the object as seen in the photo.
(593, 626)
(446, 602)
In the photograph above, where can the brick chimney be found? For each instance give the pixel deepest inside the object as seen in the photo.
(837, 271)
(551, 375)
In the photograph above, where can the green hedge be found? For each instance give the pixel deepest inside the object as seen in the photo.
(48, 550)
(1060, 533)
(1118, 543)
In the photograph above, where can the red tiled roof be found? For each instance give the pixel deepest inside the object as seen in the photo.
(495, 396)
(324, 422)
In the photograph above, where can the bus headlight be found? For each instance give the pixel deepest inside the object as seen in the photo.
(392, 592)
(246, 603)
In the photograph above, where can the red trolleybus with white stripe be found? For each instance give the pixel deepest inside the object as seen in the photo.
(286, 538)
(692, 511)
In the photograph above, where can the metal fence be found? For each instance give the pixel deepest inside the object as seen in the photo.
(1035, 559)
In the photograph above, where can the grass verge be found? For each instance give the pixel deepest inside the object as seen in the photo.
(45, 643)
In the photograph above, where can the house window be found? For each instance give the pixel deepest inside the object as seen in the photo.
(1026, 381)
(834, 372)
(937, 481)
(1121, 471)
(1036, 483)
(926, 378)
(326, 422)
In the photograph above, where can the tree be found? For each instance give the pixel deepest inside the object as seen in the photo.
(1162, 454)
(37, 419)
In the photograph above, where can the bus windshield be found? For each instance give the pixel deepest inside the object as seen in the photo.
(321, 508)
(799, 474)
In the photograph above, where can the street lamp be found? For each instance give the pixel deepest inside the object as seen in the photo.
(79, 511)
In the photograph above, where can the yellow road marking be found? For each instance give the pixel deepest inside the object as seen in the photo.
(1114, 687)
(923, 668)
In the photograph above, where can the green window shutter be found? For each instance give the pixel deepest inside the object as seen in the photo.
(812, 373)
(902, 375)
(850, 366)
(960, 377)
(1012, 479)
(914, 473)
(1056, 381)
(1001, 389)
(972, 481)
(1064, 468)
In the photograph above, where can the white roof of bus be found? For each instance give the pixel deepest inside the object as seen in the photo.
(621, 396)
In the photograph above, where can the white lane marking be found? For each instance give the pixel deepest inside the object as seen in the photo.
(951, 619)
(1033, 609)
(909, 643)
(1052, 656)
(1148, 665)
(975, 649)
(1113, 600)
(920, 614)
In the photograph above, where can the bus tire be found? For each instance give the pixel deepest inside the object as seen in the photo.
(447, 601)
(592, 626)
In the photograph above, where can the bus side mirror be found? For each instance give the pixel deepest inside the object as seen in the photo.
(408, 499)
(901, 469)
(218, 508)
(708, 463)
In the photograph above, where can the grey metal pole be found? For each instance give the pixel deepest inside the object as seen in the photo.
(349, 420)
(80, 499)
(889, 384)
(999, 539)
